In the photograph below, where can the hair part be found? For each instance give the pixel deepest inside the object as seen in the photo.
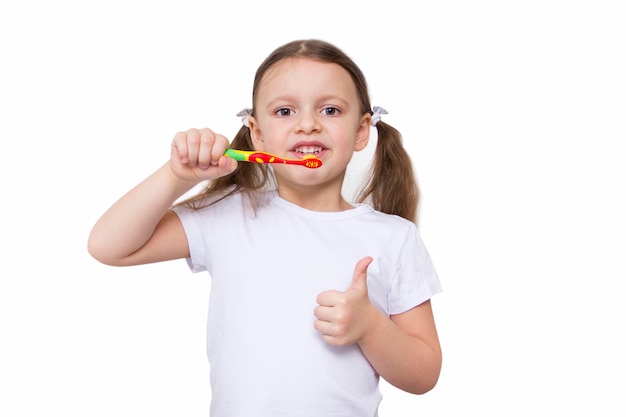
(390, 186)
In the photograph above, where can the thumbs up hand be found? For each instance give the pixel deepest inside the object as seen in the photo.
(343, 317)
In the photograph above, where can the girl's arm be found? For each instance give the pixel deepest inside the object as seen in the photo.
(140, 227)
(404, 348)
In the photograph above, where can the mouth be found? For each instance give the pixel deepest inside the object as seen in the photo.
(303, 150)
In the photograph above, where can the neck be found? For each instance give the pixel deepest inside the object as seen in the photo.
(315, 198)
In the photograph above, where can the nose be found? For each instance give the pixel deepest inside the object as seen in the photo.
(308, 122)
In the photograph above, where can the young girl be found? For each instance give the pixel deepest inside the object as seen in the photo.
(312, 297)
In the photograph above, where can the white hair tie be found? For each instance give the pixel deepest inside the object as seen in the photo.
(245, 114)
(377, 114)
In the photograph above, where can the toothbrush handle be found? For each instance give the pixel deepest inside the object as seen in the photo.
(255, 156)
(267, 158)
(238, 155)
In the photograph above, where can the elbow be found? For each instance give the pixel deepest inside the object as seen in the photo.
(100, 252)
(426, 380)
(96, 253)
(417, 385)
(424, 386)
(417, 382)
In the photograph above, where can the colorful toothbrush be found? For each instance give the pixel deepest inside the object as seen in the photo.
(308, 161)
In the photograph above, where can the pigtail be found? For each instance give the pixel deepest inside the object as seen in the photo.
(391, 186)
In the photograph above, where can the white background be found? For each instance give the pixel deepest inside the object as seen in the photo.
(514, 113)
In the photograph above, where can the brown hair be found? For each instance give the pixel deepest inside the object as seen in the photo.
(390, 187)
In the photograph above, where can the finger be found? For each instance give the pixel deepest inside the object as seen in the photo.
(193, 147)
(205, 147)
(179, 147)
(219, 147)
(330, 335)
(212, 147)
(226, 164)
(359, 279)
(323, 327)
(323, 313)
(328, 298)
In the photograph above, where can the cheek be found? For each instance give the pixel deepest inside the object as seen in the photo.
(258, 146)
(269, 138)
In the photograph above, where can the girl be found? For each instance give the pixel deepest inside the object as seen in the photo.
(312, 297)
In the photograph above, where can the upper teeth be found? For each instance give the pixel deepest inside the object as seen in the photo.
(308, 149)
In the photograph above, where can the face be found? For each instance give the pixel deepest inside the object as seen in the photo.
(308, 107)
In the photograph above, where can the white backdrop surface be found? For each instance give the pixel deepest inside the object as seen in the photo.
(514, 113)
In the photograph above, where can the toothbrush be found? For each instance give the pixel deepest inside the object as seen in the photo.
(309, 161)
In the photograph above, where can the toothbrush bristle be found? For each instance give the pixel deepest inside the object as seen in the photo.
(312, 161)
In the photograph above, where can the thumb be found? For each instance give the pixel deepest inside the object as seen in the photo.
(359, 279)
(226, 165)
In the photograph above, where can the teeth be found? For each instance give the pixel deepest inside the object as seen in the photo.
(309, 149)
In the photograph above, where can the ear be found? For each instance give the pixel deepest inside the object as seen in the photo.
(255, 134)
(363, 132)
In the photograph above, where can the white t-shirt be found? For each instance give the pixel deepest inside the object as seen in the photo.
(267, 269)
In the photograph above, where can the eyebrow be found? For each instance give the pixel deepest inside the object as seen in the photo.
(328, 97)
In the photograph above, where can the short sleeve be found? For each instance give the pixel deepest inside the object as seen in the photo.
(416, 279)
(192, 224)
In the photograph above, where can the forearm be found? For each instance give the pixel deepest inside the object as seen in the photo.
(404, 360)
(130, 222)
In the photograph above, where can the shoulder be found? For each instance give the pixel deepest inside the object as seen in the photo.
(389, 220)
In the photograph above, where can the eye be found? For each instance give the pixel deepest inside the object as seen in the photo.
(330, 111)
(284, 112)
